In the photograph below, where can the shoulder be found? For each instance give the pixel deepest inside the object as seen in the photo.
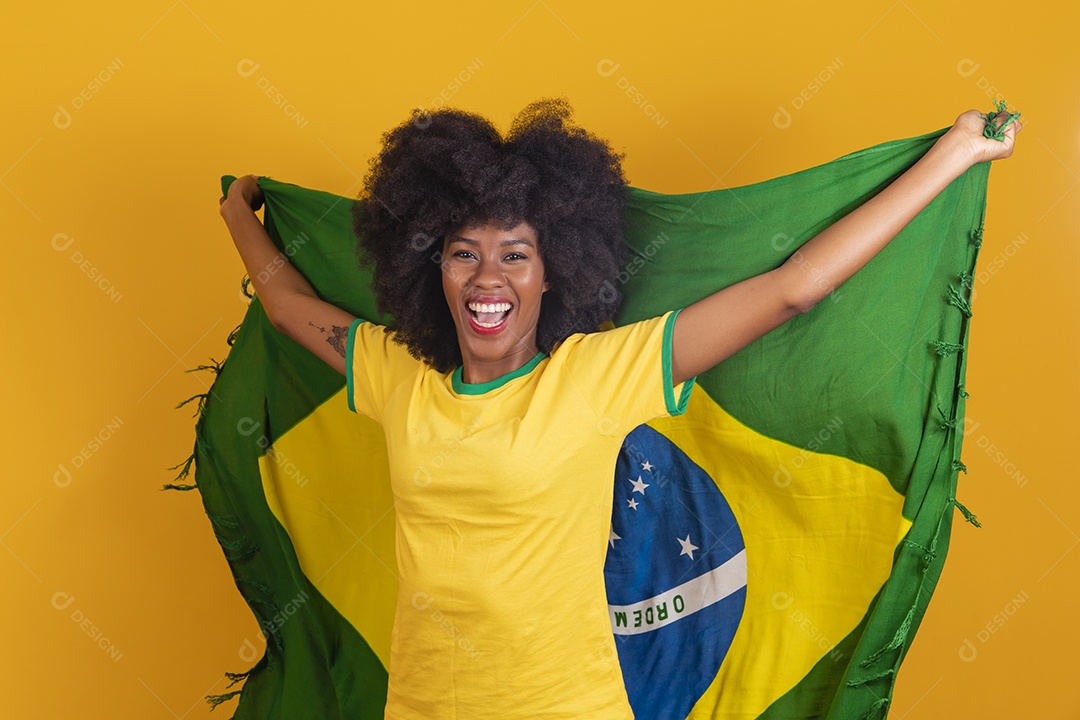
(631, 335)
(625, 372)
(375, 366)
(369, 342)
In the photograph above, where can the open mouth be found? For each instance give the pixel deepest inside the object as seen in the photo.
(489, 316)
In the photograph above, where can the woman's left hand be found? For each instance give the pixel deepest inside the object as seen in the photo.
(967, 137)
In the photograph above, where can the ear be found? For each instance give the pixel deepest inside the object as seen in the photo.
(547, 285)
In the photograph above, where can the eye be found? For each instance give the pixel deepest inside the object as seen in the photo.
(516, 256)
(463, 253)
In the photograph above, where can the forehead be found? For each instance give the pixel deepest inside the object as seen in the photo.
(490, 232)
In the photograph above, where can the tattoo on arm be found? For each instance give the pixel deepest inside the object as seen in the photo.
(336, 336)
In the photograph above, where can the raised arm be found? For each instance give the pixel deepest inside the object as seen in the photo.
(718, 326)
(290, 302)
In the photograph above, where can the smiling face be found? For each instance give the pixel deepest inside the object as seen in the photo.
(493, 280)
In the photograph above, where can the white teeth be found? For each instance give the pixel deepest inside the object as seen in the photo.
(489, 307)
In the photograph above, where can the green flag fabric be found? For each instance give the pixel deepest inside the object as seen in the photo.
(813, 474)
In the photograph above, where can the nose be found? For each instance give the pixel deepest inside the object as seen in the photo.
(487, 274)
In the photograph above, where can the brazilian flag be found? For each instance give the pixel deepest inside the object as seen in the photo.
(772, 551)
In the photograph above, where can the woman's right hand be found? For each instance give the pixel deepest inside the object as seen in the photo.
(243, 191)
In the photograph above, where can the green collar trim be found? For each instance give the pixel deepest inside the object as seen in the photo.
(463, 388)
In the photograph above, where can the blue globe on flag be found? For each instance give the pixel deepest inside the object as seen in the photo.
(675, 575)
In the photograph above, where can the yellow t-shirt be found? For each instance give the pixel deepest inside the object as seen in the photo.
(503, 498)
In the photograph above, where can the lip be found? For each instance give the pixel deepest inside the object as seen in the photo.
(480, 329)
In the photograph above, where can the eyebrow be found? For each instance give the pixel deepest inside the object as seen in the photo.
(504, 243)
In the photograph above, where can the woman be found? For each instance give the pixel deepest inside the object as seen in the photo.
(498, 258)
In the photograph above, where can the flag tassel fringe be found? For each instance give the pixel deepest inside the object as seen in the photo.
(859, 682)
(185, 470)
(234, 549)
(882, 704)
(200, 409)
(989, 131)
(898, 638)
(237, 549)
(968, 515)
(231, 340)
(220, 522)
(957, 299)
(901, 635)
(215, 700)
(944, 349)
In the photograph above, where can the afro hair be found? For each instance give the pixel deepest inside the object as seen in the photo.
(448, 169)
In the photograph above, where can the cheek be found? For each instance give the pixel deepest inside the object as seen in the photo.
(450, 289)
(545, 285)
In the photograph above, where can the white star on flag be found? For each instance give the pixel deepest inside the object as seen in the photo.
(646, 466)
(632, 504)
(688, 547)
(612, 537)
(639, 485)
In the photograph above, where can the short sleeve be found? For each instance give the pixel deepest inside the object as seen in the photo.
(375, 366)
(626, 374)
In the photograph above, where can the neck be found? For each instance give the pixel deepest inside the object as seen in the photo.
(476, 371)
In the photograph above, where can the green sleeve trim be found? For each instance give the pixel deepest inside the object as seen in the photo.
(461, 387)
(350, 341)
(674, 408)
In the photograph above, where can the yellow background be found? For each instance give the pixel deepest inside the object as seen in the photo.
(118, 120)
